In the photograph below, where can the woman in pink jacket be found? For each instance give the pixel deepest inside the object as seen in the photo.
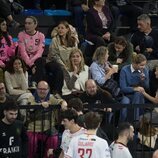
(7, 47)
(31, 46)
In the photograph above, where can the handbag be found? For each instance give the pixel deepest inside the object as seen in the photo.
(112, 86)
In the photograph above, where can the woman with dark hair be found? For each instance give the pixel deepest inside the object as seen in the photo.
(64, 39)
(120, 52)
(153, 97)
(16, 79)
(99, 23)
(7, 47)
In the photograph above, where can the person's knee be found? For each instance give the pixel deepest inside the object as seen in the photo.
(125, 100)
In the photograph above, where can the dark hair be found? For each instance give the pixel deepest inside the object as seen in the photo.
(76, 104)
(11, 105)
(122, 127)
(69, 114)
(70, 39)
(10, 68)
(4, 34)
(121, 41)
(92, 120)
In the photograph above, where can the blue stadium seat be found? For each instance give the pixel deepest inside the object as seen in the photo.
(32, 12)
(50, 12)
(47, 41)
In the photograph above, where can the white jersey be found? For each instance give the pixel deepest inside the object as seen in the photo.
(67, 136)
(119, 150)
(88, 146)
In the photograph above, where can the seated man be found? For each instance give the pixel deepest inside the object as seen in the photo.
(93, 95)
(41, 123)
(145, 40)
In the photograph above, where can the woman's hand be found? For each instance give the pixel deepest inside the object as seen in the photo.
(119, 60)
(76, 70)
(106, 36)
(20, 70)
(50, 152)
(139, 89)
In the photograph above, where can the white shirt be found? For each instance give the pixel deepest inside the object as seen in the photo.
(119, 150)
(88, 146)
(67, 136)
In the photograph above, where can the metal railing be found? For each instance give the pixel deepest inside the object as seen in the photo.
(137, 147)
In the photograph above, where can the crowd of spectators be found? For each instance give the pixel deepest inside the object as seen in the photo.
(123, 70)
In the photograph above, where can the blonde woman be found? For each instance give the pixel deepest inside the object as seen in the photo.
(101, 69)
(75, 76)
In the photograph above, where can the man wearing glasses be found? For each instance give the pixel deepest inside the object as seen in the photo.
(41, 123)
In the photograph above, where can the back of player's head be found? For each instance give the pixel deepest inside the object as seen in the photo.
(76, 104)
(69, 114)
(92, 120)
(122, 127)
(11, 105)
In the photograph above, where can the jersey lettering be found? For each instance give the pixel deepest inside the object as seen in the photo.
(37, 41)
(11, 140)
(85, 153)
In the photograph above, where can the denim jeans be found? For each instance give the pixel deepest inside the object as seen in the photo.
(136, 98)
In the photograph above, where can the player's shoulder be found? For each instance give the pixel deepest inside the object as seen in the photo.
(66, 131)
(101, 140)
(118, 146)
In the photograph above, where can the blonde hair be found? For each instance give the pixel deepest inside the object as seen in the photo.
(82, 63)
(138, 58)
(99, 54)
(146, 128)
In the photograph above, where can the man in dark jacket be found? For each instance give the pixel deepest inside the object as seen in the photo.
(12, 134)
